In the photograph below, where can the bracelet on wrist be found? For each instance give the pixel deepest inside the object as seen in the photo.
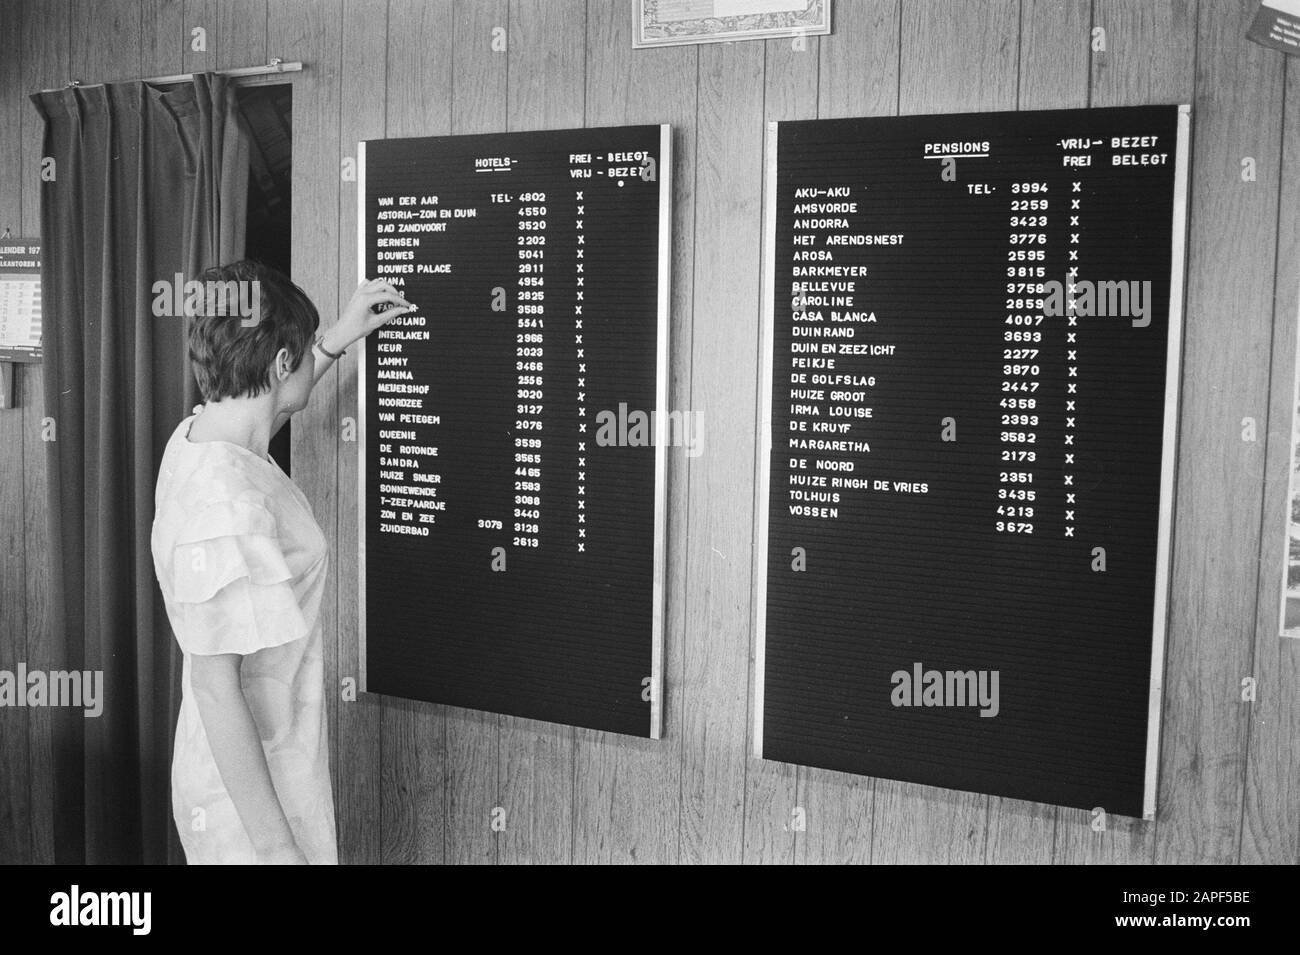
(320, 344)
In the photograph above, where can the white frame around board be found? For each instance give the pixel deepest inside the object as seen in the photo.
(658, 595)
(1173, 371)
(1293, 491)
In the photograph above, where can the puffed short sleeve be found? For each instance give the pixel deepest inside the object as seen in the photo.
(231, 586)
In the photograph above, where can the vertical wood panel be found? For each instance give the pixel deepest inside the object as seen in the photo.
(357, 766)
(1150, 52)
(241, 34)
(163, 37)
(202, 13)
(724, 362)
(958, 57)
(413, 785)
(545, 90)
(628, 791)
(1231, 252)
(791, 77)
(15, 794)
(1123, 842)
(1270, 833)
(859, 62)
(859, 68)
(478, 105)
(953, 60)
(1054, 54)
(312, 31)
(47, 48)
(106, 41)
(1018, 832)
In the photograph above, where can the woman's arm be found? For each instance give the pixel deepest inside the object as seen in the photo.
(237, 748)
(356, 321)
(333, 340)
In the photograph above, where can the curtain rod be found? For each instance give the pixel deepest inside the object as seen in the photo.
(276, 65)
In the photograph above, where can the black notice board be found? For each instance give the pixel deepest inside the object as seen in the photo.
(511, 532)
(968, 482)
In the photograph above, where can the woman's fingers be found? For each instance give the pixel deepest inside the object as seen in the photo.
(387, 314)
(375, 292)
(376, 285)
(391, 298)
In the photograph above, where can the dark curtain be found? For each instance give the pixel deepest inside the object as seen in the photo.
(147, 183)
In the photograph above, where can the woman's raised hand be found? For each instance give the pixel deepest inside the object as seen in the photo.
(358, 318)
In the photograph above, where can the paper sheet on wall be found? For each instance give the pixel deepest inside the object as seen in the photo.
(20, 299)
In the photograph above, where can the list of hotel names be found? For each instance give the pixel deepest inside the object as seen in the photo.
(546, 296)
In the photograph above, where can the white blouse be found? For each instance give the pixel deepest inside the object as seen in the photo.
(241, 563)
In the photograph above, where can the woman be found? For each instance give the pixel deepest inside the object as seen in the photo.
(241, 563)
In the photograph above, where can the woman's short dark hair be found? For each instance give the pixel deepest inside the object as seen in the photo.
(232, 347)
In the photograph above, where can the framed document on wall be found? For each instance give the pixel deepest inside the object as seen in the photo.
(511, 512)
(678, 22)
(972, 347)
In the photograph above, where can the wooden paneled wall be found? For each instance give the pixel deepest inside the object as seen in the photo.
(419, 783)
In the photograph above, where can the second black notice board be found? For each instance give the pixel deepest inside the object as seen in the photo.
(971, 362)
